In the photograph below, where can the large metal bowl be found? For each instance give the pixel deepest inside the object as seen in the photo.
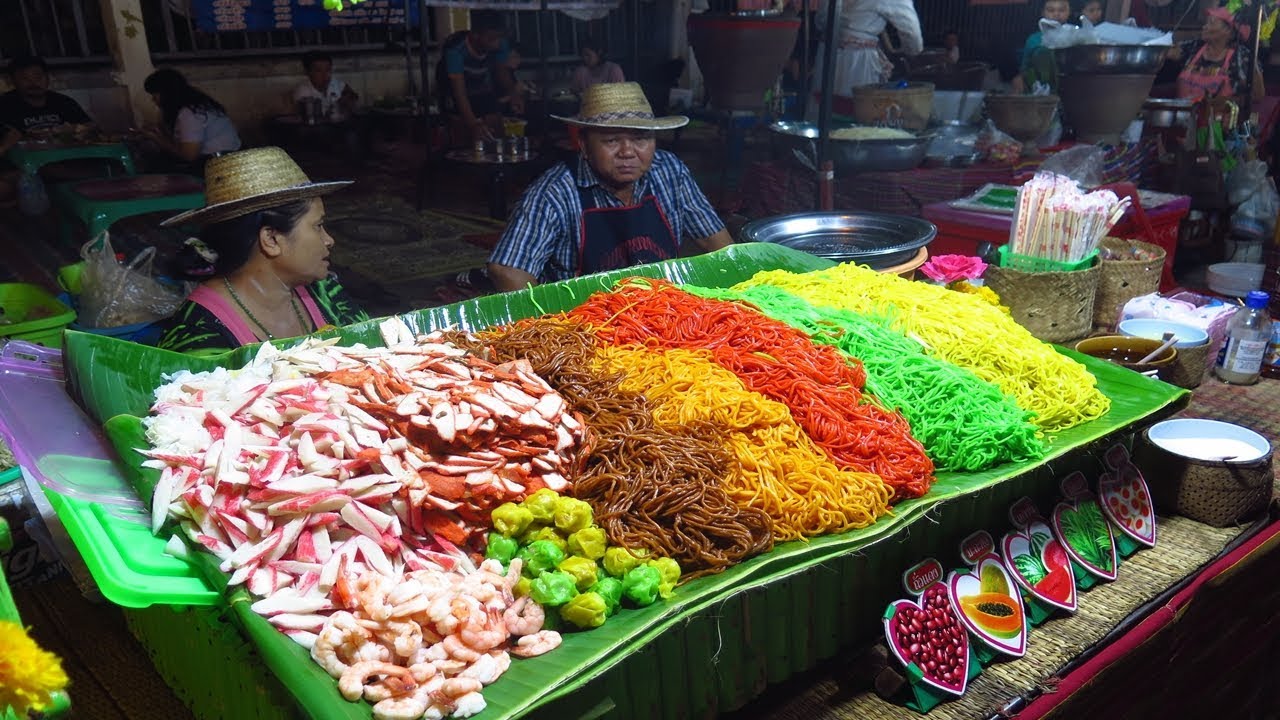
(1110, 59)
(798, 143)
(879, 240)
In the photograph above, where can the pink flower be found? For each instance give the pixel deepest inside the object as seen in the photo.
(949, 268)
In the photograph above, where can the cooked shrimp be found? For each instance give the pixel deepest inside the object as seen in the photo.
(371, 652)
(453, 688)
(371, 594)
(341, 636)
(470, 704)
(487, 668)
(353, 680)
(536, 644)
(483, 637)
(404, 636)
(524, 617)
(458, 649)
(410, 706)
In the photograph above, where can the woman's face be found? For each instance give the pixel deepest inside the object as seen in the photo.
(590, 57)
(1215, 31)
(302, 255)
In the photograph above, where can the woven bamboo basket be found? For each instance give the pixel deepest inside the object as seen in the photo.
(1123, 280)
(1212, 492)
(1053, 306)
(1189, 366)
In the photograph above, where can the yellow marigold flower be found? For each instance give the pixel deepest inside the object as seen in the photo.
(28, 674)
(981, 291)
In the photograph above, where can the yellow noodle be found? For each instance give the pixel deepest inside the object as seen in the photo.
(964, 330)
(775, 467)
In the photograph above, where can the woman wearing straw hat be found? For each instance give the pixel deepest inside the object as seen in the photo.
(624, 203)
(264, 218)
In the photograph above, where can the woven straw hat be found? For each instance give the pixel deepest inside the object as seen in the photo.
(239, 183)
(620, 105)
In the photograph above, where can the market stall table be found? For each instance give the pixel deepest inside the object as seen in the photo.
(30, 156)
(779, 187)
(962, 231)
(497, 165)
(101, 202)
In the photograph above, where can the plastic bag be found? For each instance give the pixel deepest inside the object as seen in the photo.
(114, 294)
(1055, 36)
(1245, 180)
(996, 146)
(1255, 218)
(1082, 163)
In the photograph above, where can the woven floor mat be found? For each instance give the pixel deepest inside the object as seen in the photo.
(112, 677)
(1182, 547)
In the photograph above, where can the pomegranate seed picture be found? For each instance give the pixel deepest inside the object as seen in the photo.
(928, 634)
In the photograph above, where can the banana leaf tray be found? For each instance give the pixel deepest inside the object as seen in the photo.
(715, 645)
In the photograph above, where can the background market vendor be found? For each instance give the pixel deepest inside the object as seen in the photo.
(1218, 64)
(624, 203)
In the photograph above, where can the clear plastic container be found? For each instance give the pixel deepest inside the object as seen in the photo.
(1247, 336)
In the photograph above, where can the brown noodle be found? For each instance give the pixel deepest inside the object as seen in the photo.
(650, 487)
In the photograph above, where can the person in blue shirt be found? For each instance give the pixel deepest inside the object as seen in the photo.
(623, 203)
(475, 77)
(1035, 62)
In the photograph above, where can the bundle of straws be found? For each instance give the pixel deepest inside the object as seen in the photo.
(1054, 220)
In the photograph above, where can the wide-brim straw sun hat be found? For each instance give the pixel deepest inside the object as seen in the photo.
(620, 105)
(246, 181)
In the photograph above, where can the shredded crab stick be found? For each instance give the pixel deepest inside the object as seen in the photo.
(320, 472)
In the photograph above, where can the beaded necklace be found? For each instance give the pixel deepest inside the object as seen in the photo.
(302, 323)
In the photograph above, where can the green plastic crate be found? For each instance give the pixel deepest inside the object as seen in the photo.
(69, 277)
(1029, 263)
(31, 313)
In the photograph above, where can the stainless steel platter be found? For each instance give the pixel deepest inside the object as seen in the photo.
(798, 142)
(879, 240)
(1110, 59)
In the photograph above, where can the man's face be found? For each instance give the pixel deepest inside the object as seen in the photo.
(490, 40)
(620, 157)
(31, 82)
(320, 72)
(1058, 11)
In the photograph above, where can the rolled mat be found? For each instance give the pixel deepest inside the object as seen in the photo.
(1053, 306)
(1121, 280)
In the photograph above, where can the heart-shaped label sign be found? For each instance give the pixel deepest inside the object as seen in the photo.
(929, 634)
(1086, 536)
(1039, 564)
(1127, 503)
(991, 606)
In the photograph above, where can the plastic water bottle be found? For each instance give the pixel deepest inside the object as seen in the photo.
(1247, 336)
(32, 198)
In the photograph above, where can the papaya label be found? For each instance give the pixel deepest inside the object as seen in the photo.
(990, 606)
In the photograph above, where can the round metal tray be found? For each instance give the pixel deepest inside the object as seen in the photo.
(879, 240)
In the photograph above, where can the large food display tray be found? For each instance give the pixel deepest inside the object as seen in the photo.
(720, 639)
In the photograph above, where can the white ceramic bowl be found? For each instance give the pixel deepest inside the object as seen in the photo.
(1208, 440)
(1154, 329)
(1235, 279)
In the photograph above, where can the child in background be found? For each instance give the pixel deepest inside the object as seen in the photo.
(1035, 63)
(1092, 10)
(951, 43)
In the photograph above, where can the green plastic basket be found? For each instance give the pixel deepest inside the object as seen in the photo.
(69, 277)
(33, 314)
(1029, 263)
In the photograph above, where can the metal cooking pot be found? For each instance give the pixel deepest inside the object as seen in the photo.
(798, 142)
(879, 240)
(1110, 59)
(1167, 112)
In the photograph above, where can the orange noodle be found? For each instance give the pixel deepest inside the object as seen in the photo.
(651, 487)
(821, 387)
(776, 467)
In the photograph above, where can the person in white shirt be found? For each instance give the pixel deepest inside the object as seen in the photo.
(337, 99)
(194, 126)
(858, 58)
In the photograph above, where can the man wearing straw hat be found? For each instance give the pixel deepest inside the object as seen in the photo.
(625, 203)
(264, 218)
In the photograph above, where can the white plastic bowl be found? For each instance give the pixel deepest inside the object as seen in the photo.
(1235, 279)
(1208, 440)
(1155, 329)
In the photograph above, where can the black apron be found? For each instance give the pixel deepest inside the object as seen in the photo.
(610, 238)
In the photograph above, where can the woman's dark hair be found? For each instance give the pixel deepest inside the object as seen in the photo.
(312, 57)
(593, 45)
(235, 239)
(175, 93)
